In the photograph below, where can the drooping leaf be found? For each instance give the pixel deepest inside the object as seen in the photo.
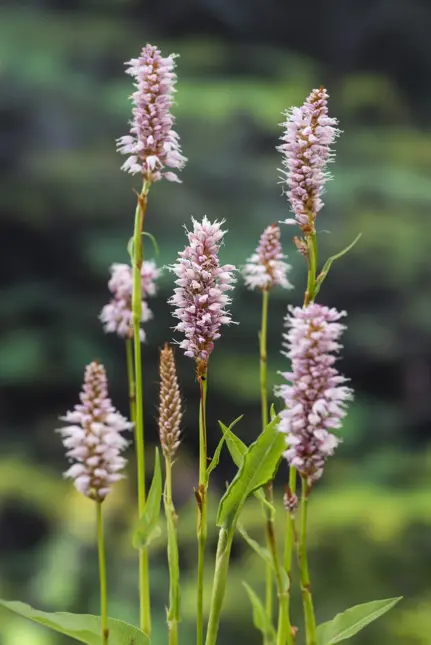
(216, 457)
(329, 261)
(148, 526)
(260, 550)
(84, 628)
(263, 553)
(260, 617)
(154, 241)
(351, 621)
(258, 467)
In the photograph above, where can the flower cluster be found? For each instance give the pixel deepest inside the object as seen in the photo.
(267, 268)
(200, 298)
(316, 396)
(309, 133)
(170, 413)
(152, 145)
(116, 316)
(93, 440)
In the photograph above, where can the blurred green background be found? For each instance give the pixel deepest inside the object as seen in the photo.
(66, 214)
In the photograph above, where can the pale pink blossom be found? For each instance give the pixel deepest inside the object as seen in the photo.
(267, 267)
(152, 146)
(93, 439)
(315, 395)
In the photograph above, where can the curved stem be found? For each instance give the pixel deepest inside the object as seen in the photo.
(144, 590)
(102, 575)
(201, 497)
(173, 561)
(307, 599)
(131, 379)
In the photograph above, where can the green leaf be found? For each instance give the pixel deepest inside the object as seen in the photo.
(351, 621)
(82, 627)
(260, 618)
(258, 467)
(237, 449)
(154, 241)
(216, 458)
(148, 526)
(272, 412)
(261, 551)
(329, 261)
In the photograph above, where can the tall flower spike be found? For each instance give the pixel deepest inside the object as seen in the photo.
(116, 316)
(94, 440)
(309, 133)
(153, 145)
(170, 413)
(200, 299)
(316, 396)
(267, 268)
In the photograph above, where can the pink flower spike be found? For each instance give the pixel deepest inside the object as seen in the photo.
(267, 268)
(116, 316)
(306, 149)
(200, 299)
(93, 439)
(153, 145)
(315, 395)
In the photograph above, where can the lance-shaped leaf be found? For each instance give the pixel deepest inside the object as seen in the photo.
(148, 526)
(351, 621)
(216, 457)
(263, 553)
(258, 467)
(329, 261)
(260, 617)
(237, 450)
(84, 628)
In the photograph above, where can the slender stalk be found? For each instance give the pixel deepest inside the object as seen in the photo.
(307, 599)
(131, 379)
(144, 588)
(201, 497)
(102, 575)
(173, 559)
(264, 359)
(219, 585)
(284, 633)
(269, 523)
(312, 268)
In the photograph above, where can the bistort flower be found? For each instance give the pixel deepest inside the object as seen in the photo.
(200, 299)
(315, 396)
(170, 412)
(267, 268)
(153, 145)
(93, 440)
(309, 133)
(116, 316)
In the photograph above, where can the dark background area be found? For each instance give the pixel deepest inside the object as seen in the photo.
(66, 213)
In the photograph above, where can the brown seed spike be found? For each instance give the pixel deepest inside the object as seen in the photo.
(170, 413)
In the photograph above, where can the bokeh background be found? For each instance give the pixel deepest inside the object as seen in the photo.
(66, 213)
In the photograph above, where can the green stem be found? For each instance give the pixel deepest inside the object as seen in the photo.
(287, 560)
(263, 377)
(307, 599)
(173, 559)
(264, 359)
(219, 585)
(312, 268)
(102, 575)
(202, 503)
(131, 379)
(144, 587)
